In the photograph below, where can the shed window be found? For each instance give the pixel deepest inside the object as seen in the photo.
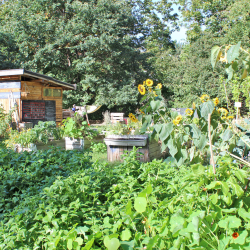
(56, 92)
(47, 92)
(52, 92)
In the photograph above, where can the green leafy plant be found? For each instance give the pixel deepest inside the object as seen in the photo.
(99, 148)
(77, 128)
(5, 122)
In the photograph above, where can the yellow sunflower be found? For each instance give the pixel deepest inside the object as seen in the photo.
(175, 122)
(141, 112)
(178, 118)
(230, 117)
(159, 86)
(216, 101)
(223, 111)
(155, 93)
(141, 89)
(149, 82)
(204, 98)
(189, 112)
(144, 82)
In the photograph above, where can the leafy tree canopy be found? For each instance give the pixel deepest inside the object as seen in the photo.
(91, 43)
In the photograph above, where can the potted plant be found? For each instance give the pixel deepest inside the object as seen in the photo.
(75, 130)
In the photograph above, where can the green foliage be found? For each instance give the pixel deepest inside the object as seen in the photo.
(5, 122)
(77, 128)
(43, 132)
(186, 138)
(186, 73)
(132, 205)
(93, 44)
(99, 148)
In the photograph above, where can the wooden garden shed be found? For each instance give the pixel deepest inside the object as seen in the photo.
(36, 97)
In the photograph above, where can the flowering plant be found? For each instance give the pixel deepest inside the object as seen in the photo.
(202, 134)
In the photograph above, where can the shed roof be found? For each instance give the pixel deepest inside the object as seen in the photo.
(30, 74)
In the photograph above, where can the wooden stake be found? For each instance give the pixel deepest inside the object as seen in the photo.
(210, 143)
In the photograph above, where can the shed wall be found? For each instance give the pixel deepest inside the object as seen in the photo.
(34, 91)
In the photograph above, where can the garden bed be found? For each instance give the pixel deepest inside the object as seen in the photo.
(117, 145)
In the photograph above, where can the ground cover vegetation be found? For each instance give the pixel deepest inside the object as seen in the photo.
(59, 200)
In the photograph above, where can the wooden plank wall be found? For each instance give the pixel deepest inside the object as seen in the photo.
(34, 91)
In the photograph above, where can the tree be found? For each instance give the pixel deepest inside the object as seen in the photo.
(91, 43)
(187, 72)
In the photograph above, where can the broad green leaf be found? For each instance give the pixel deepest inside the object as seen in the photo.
(237, 189)
(166, 131)
(233, 52)
(172, 147)
(155, 105)
(128, 207)
(224, 241)
(112, 244)
(225, 188)
(194, 131)
(196, 237)
(127, 245)
(125, 235)
(230, 73)
(230, 222)
(201, 142)
(198, 169)
(241, 238)
(140, 204)
(152, 242)
(147, 191)
(241, 175)
(215, 55)
(79, 240)
(69, 244)
(89, 244)
(244, 214)
(214, 198)
(158, 128)
(244, 74)
(207, 108)
(226, 136)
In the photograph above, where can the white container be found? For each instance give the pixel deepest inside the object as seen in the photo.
(72, 143)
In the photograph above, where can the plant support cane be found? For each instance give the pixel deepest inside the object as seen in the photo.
(210, 143)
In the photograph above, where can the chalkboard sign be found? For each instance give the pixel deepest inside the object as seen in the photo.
(35, 111)
(50, 111)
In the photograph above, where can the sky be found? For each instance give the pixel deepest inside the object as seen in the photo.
(179, 36)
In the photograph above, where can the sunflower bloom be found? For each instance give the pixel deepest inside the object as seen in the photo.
(223, 111)
(204, 98)
(230, 117)
(141, 112)
(155, 93)
(175, 122)
(216, 101)
(178, 118)
(149, 82)
(141, 89)
(159, 86)
(235, 235)
(189, 112)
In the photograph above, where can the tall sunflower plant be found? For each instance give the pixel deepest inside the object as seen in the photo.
(188, 138)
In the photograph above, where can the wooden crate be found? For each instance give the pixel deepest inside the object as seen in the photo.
(116, 117)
